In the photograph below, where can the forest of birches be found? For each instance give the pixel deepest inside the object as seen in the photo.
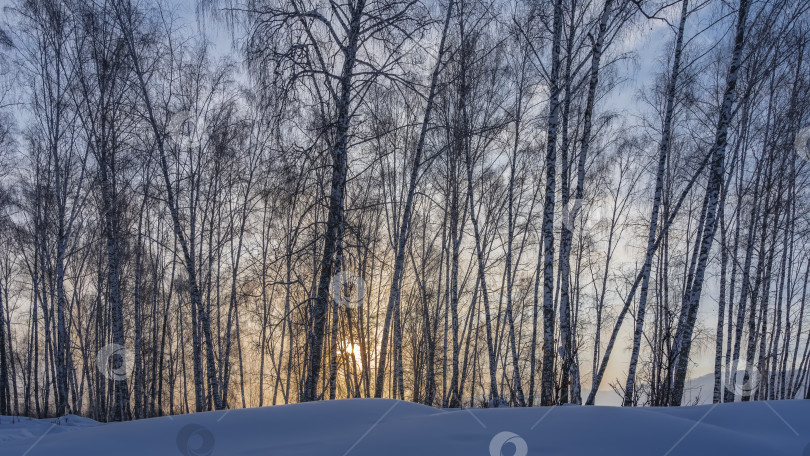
(453, 202)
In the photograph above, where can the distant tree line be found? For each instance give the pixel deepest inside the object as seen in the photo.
(453, 202)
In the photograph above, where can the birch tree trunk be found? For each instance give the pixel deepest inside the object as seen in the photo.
(683, 338)
(125, 17)
(336, 209)
(566, 234)
(547, 388)
(663, 149)
(404, 225)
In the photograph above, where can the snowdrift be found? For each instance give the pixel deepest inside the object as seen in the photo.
(395, 428)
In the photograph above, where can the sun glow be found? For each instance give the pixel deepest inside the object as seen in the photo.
(352, 349)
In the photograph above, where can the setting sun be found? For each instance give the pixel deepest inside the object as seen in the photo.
(350, 350)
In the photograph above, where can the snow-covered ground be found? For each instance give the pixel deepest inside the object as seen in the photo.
(393, 428)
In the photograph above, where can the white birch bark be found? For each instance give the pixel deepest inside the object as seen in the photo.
(683, 339)
(663, 150)
(547, 388)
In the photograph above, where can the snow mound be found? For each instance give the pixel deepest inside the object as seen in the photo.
(21, 428)
(396, 428)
